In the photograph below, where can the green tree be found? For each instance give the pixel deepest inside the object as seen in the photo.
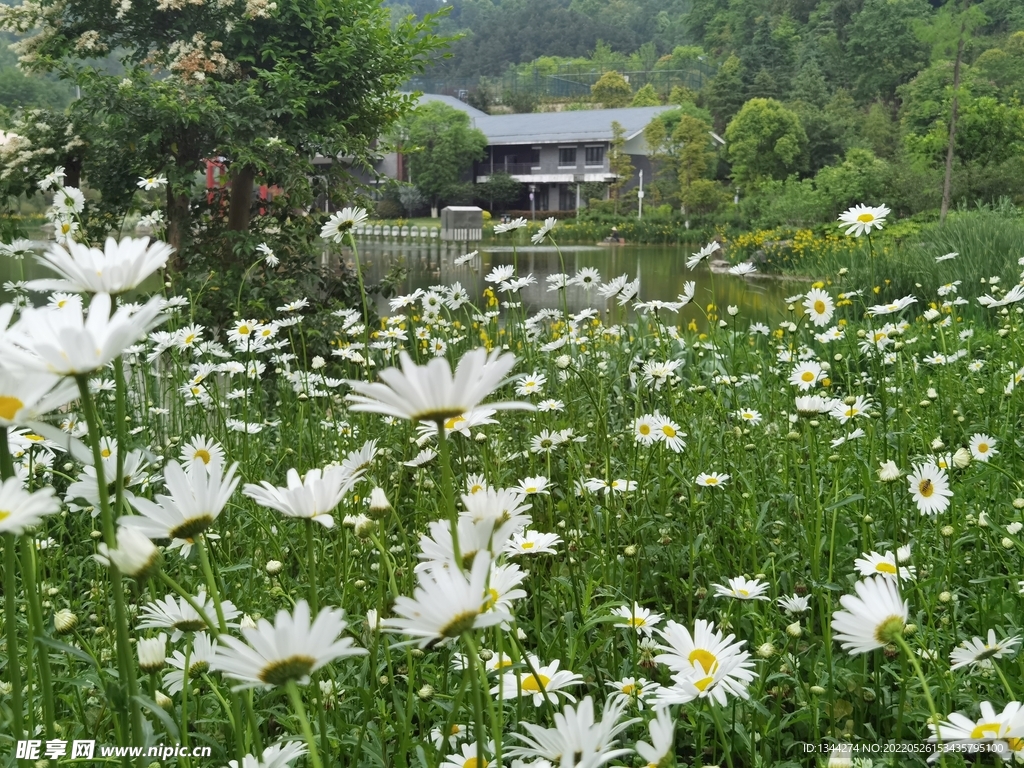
(883, 48)
(703, 197)
(1004, 66)
(620, 164)
(695, 152)
(680, 94)
(765, 141)
(500, 190)
(646, 97)
(880, 131)
(222, 79)
(611, 90)
(659, 151)
(725, 95)
(444, 146)
(861, 176)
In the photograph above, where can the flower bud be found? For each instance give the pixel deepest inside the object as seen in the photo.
(273, 567)
(379, 504)
(64, 621)
(152, 653)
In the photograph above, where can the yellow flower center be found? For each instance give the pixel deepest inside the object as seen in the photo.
(459, 624)
(244, 330)
(707, 660)
(191, 527)
(867, 218)
(926, 488)
(189, 339)
(284, 670)
(743, 592)
(711, 481)
(985, 730)
(530, 489)
(644, 429)
(982, 447)
(450, 424)
(668, 430)
(4, 515)
(527, 545)
(703, 683)
(472, 763)
(533, 684)
(105, 453)
(203, 454)
(807, 376)
(637, 621)
(886, 567)
(819, 307)
(9, 406)
(492, 599)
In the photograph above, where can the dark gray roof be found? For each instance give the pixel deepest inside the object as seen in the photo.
(451, 101)
(561, 127)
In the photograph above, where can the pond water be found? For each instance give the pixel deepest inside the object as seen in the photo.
(662, 271)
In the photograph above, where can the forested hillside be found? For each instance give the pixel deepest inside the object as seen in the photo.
(822, 102)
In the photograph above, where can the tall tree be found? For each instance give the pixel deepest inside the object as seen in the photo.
(221, 79)
(884, 49)
(725, 95)
(620, 164)
(445, 146)
(611, 90)
(765, 141)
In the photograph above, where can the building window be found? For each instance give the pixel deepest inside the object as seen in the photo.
(567, 156)
(595, 155)
(566, 197)
(535, 158)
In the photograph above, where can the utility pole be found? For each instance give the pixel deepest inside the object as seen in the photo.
(640, 197)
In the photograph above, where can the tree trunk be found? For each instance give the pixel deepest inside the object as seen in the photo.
(240, 210)
(179, 221)
(947, 182)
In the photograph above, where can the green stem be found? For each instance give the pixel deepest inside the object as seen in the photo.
(35, 617)
(311, 567)
(726, 746)
(307, 729)
(11, 600)
(211, 582)
(362, 297)
(448, 489)
(478, 707)
(125, 662)
(1006, 683)
(11, 625)
(936, 719)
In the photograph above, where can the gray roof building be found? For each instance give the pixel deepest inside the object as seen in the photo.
(591, 125)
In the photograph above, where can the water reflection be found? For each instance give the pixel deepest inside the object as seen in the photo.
(662, 271)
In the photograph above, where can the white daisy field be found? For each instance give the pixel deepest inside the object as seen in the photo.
(478, 536)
